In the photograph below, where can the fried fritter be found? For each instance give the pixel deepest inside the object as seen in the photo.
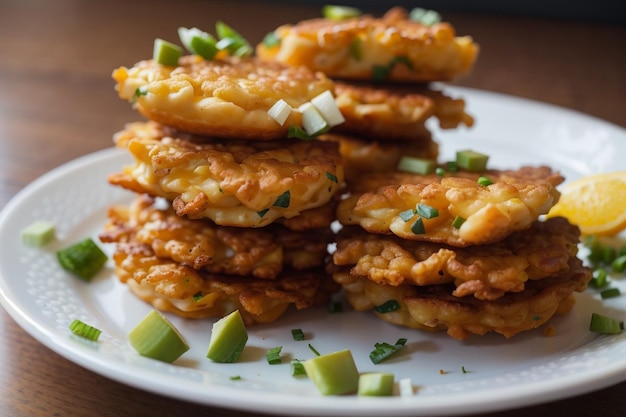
(434, 308)
(490, 212)
(486, 272)
(381, 114)
(223, 97)
(180, 289)
(202, 245)
(243, 184)
(363, 157)
(392, 48)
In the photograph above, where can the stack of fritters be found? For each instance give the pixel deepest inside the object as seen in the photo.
(502, 269)
(238, 216)
(232, 214)
(381, 68)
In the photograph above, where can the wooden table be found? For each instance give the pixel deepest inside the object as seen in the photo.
(57, 103)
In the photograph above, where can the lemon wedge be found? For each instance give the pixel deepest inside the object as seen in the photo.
(595, 203)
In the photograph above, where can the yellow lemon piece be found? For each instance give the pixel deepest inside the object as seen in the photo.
(595, 203)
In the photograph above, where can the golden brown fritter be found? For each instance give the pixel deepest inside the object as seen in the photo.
(389, 48)
(490, 212)
(434, 308)
(243, 184)
(382, 114)
(226, 97)
(362, 157)
(485, 272)
(202, 245)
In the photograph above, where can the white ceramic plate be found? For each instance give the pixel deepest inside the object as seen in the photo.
(528, 369)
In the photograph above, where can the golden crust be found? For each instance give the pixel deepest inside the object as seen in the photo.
(491, 212)
(179, 288)
(485, 272)
(200, 244)
(243, 184)
(223, 98)
(353, 48)
(386, 114)
(362, 157)
(434, 308)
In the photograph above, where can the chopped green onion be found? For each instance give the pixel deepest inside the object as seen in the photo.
(283, 200)
(198, 42)
(484, 181)
(384, 350)
(271, 40)
(355, 49)
(381, 72)
(471, 160)
(297, 334)
(166, 53)
(609, 253)
(38, 233)
(197, 296)
(335, 307)
(332, 177)
(407, 215)
(440, 171)
(84, 259)
(463, 369)
(427, 211)
(327, 106)
(263, 212)
(610, 293)
(599, 278)
(280, 111)
(424, 16)
(235, 377)
(335, 12)
(313, 121)
(619, 264)
(296, 367)
(298, 133)
(458, 222)
(418, 227)
(231, 40)
(273, 355)
(451, 166)
(85, 330)
(416, 165)
(314, 350)
(605, 324)
(387, 307)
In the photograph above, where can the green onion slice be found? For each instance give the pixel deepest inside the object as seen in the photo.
(458, 222)
(297, 334)
(296, 367)
(610, 293)
(332, 177)
(384, 350)
(271, 40)
(283, 199)
(472, 160)
(604, 324)
(619, 264)
(424, 16)
(314, 350)
(407, 215)
(336, 12)
(599, 278)
(166, 53)
(427, 211)
(82, 329)
(387, 307)
(273, 355)
(418, 227)
(484, 181)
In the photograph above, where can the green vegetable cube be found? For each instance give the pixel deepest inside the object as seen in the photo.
(334, 373)
(84, 259)
(376, 384)
(155, 337)
(228, 338)
(38, 233)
